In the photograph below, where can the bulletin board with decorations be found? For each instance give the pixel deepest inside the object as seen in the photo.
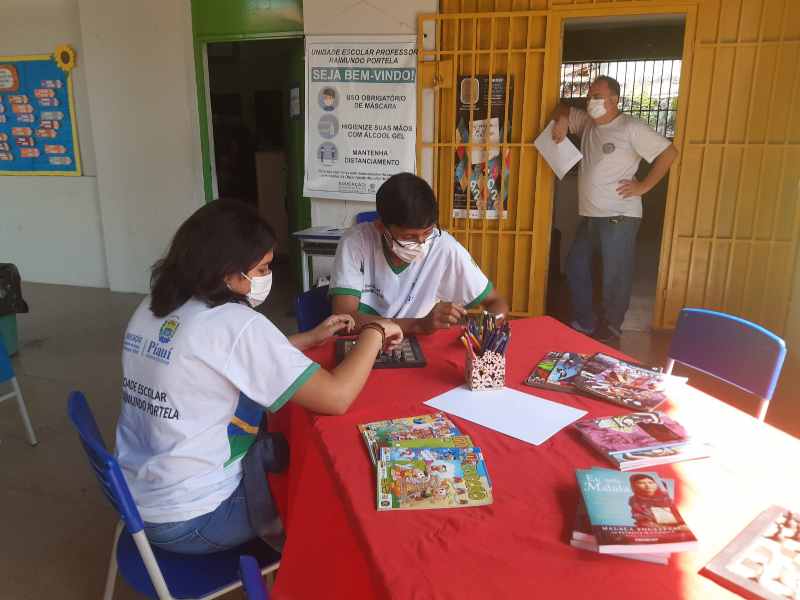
(38, 131)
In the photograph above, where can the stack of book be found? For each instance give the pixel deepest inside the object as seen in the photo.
(640, 440)
(603, 376)
(425, 462)
(632, 515)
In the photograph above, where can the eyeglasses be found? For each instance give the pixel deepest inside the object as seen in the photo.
(413, 243)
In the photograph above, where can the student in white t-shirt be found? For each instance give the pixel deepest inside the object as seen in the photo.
(201, 366)
(403, 267)
(609, 201)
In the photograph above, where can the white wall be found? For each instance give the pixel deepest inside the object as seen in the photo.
(344, 17)
(141, 86)
(49, 225)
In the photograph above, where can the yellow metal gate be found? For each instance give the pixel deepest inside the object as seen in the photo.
(503, 218)
(732, 220)
(735, 227)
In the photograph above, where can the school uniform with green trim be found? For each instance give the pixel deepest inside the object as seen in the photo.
(195, 386)
(445, 272)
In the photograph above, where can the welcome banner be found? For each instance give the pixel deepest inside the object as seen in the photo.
(360, 114)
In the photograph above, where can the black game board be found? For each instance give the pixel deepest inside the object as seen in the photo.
(408, 356)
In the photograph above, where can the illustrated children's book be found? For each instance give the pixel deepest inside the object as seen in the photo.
(632, 513)
(583, 537)
(431, 454)
(556, 371)
(613, 379)
(411, 481)
(763, 561)
(640, 440)
(423, 427)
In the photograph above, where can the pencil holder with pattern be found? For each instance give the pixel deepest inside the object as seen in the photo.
(485, 372)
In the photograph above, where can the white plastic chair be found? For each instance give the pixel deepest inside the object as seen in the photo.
(7, 375)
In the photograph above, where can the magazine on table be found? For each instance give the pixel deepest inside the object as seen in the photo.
(430, 455)
(622, 382)
(413, 482)
(763, 560)
(640, 440)
(583, 536)
(457, 441)
(556, 371)
(633, 513)
(421, 427)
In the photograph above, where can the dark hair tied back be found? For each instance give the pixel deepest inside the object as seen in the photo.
(223, 237)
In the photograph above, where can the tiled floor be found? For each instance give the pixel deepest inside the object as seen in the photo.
(56, 527)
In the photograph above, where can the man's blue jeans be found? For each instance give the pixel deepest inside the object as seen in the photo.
(615, 238)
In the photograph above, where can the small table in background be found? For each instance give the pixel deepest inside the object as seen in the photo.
(316, 241)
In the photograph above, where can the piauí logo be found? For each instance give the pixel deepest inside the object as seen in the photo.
(168, 329)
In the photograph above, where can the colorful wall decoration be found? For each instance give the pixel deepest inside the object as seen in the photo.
(38, 131)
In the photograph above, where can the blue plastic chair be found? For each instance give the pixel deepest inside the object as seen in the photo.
(312, 307)
(366, 216)
(731, 349)
(252, 580)
(7, 375)
(150, 570)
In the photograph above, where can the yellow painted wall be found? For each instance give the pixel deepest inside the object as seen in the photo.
(731, 228)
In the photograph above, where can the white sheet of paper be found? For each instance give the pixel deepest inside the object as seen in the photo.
(520, 415)
(561, 157)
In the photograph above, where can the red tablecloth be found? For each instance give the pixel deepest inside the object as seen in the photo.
(339, 546)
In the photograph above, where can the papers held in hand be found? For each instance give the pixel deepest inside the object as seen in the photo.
(561, 157)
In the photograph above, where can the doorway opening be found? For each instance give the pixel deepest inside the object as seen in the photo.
(256, 140)
(250, 86)
(643, 53)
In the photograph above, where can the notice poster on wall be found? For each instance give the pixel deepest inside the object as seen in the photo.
(482, 172)
(38, 132)
(360, 113)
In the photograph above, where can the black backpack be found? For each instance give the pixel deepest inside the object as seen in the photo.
(11, 301)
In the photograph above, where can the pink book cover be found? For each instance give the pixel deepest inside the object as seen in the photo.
(636, 431)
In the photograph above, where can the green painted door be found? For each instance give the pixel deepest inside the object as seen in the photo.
(299, 206)
(248, 20)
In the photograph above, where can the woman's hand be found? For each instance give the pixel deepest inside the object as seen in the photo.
(331, 326)
(394, 335)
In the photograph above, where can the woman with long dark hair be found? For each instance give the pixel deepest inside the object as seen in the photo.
(200, 368)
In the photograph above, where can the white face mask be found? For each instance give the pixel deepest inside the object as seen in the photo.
(596, 108)
(259, 289)
(410, 251)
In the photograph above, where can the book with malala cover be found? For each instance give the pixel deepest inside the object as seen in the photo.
(633, 513)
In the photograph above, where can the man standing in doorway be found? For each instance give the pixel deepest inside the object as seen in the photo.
(609, 201)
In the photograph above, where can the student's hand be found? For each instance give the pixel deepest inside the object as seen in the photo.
(394, 335)
(630, 187)
(331, 326)
(560, 129)
(443, 316)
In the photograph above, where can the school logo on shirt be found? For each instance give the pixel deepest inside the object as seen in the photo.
(168, 329)
(132, 343)
(608, 148)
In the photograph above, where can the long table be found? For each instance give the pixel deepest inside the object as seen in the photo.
(339, 546)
